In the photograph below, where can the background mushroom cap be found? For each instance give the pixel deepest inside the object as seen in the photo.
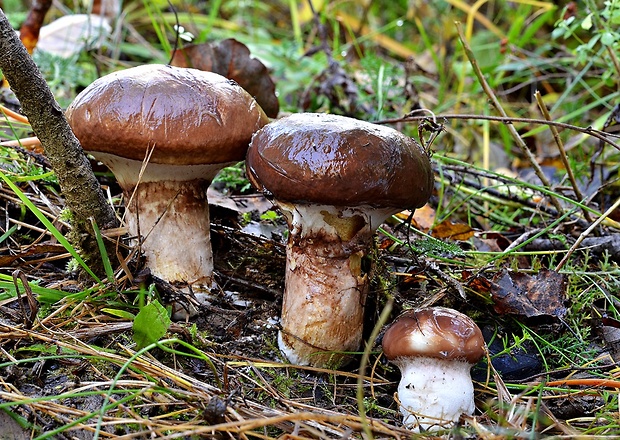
(435, 332)
(192, 117)
(335, 160)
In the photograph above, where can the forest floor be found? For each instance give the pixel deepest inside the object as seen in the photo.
(522, 232)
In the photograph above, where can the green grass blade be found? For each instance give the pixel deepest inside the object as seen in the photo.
(50, 227)
(8, 233)
(211, 18)
(103, 251)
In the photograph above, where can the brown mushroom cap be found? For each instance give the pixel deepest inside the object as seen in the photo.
(335, 160)
(192, 117)
(434, 332)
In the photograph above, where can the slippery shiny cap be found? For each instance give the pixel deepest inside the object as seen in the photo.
(335, 160)
(190, 116)
(435, 332)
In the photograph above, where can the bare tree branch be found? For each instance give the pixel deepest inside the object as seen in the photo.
(78, 184)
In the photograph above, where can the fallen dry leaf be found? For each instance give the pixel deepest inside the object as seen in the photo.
(232, 59)
(34, 250)
(423, 218)
(453, 231)
(610, 331)
(71, 34)
(478, 283)
(518, 293)
(486, 245)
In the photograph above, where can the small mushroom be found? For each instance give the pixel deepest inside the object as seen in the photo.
(336, 179)
(434, 348)
(165, 132)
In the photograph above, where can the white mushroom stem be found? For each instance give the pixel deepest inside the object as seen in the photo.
(167, 208)
(433, 393)
(325, 284)
(172, 220)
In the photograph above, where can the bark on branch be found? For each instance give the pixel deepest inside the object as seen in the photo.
(78, 184)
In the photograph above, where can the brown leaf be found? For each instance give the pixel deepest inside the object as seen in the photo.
(476, 282)
(424, 217)
(453, 231)
(232, 59)
(40, 249)
(500, 240)
(519, 293)
(486, 245)
(386, 243)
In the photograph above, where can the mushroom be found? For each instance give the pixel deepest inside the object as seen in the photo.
(336, 179)
(434, 348)
(165, 132)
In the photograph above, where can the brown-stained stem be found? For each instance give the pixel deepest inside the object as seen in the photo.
(81, 190)
(498, 106)
(562, 150)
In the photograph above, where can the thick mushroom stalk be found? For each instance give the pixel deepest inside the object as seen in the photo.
(164, 202)
(165, 132)
(326, 282)
(336, 179)
(434, 348)
(184, 212)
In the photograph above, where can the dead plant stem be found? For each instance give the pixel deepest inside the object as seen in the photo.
(590, 382)
(13, 115)
(81, 190)
(498, 106)
(562, 150)
(598, 134)
(587, 232)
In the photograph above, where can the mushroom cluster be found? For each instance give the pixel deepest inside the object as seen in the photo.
(336, 179)
(434, 348)
(165, 132)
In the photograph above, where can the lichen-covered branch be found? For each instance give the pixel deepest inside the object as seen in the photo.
(78, 184)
